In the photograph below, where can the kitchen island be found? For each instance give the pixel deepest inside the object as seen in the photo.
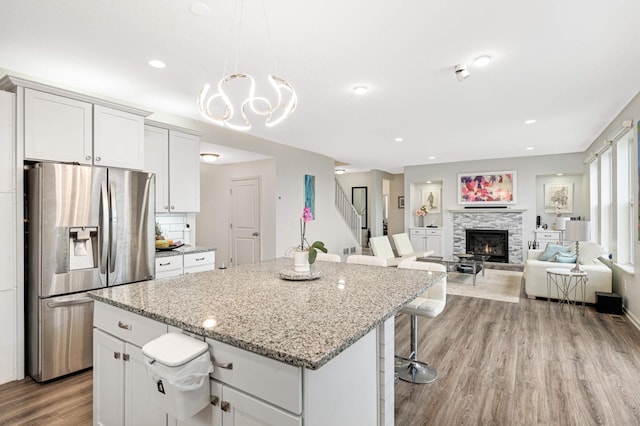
(319, 350)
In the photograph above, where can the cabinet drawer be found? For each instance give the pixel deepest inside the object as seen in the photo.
(434, 232)
(126, 325)
(419, 232)
(201, 268)
(199, 259)
(547, 235)
(168, 263)
(279, 383)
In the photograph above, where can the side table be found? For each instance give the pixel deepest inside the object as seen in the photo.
(565, 282)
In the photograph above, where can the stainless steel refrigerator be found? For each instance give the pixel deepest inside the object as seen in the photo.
(88, 228)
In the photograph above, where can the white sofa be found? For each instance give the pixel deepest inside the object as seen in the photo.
(535, 275)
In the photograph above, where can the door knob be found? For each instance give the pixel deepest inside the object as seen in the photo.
(225, 406)
(255, 234)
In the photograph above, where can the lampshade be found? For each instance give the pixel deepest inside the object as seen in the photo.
(577, 230)
(561, 223)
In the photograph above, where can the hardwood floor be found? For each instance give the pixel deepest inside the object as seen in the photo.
(498, 363)
(68, 401)
(517, 364)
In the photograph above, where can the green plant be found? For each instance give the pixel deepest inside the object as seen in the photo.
(313, 250)
(158, 230)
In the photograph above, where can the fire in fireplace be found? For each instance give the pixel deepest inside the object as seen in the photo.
(492, 242)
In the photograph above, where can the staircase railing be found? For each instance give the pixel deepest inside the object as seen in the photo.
(348, 213)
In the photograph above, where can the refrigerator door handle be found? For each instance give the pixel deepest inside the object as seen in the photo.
(105, 228)
(114, 229)
(69, 302)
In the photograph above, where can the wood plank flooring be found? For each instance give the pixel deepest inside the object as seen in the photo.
(499, 364)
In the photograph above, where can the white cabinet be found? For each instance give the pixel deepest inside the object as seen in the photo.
(58, 128)
(121, 391)
(175, 159)
(423, 239)
(169, 266)
(199, 262)
(543, 237)
(8, 336)
(118, 138)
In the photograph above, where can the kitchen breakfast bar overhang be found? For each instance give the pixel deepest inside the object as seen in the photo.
(320, 352)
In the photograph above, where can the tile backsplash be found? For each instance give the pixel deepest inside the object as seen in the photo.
(177, 226)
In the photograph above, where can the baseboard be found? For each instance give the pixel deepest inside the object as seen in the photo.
(632, 319)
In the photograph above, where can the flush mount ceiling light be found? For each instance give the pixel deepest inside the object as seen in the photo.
(398, 139)
(229, 107)
(432, 158)
(529, 148)
(360, 90)
(340, 171)
(529, 121)
(482, 61)
(461, 72)
(209, 157)
(156, 63)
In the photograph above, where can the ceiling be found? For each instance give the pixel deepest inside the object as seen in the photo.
(570, 65)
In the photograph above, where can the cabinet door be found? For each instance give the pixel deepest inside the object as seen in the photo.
(56, 128)
(8, 341)
(118, 139)
(239, 409)
(434, 242)
(417, 242)
(140, 409)
(156, 160)
(7, 146)
(108, 379)
(8, 248)
(184, 172)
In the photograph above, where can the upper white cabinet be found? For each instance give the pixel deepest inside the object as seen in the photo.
(118, 139)
(59, 128)
(175, 159)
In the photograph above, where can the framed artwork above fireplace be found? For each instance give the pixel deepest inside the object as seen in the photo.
(487, 188)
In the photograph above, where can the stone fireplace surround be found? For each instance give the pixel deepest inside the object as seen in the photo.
(510, 219)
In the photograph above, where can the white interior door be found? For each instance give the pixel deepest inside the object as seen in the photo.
(245, 221)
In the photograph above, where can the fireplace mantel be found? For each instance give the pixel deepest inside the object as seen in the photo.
(488, 210)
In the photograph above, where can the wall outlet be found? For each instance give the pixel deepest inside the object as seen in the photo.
(345, 251)
(353, 249)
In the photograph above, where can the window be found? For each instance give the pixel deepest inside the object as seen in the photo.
(624, 209)
(606, 198)
(593, 197)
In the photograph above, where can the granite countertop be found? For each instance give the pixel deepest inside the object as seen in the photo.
(302, 323)
(186, 249)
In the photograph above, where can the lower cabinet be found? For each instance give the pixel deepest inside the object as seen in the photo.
(189, 263)
(423, 239)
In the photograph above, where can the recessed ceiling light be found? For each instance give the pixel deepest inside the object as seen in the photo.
(428, 181)
(199, 9)
(529, 121)
(432, 158)
(559, 174)
(156, 63)
(340, 171)
(360, 90)
(398, 139)
(208, 157)
(482, 61)
(529, 148)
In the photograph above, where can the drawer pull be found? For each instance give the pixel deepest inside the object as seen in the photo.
(225, 406)
(116, 355)
(214, 401)
(125, 326)
(199, 259)
(125, 357)
(165, 264)
(227, 366)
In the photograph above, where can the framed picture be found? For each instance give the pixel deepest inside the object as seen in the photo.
(487, 188)
(401, 202)
(431, 199)
(310, 193)
(558, 198)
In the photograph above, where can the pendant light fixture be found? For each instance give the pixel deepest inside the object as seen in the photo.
(235, 94)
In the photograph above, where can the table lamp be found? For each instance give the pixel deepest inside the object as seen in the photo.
(577, 230)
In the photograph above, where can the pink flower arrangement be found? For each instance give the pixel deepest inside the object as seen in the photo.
(422, 211)
(313, 249)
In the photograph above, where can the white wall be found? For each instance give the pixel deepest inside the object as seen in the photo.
(625, 282)
(527, 170)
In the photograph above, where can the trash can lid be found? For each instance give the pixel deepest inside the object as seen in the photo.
(174, 349)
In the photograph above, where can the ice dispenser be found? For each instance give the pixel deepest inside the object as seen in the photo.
(82, 254)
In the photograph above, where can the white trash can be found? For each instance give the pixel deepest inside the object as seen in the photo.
(178, 368)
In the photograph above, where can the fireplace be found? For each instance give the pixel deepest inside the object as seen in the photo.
(492, 242)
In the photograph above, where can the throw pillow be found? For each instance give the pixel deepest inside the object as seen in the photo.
(561, 257)
(589, 252)
(551, 251)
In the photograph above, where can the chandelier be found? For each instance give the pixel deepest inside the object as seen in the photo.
(235, 96)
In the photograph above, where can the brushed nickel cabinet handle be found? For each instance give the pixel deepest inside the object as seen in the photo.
(98, 158)
(88, 157)
(199, 259)
(125, 326)
(225, 406)
(116, 355)
(125, 357)
(215, 400)
(227, 366)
